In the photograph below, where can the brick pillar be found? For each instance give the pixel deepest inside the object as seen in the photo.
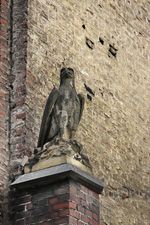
(58, 195)
(4, 107)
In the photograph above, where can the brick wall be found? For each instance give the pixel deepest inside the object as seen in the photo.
(67, 202)
(106, 43)
(4, 107)
(18, 142)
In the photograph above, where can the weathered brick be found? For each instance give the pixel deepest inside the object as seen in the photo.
(72, 205)
(20, 222)
(75, 213)
(84, 218)
(63, 205)
(73, 221)
(53, 200)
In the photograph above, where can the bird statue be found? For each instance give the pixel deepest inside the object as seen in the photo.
(63, 111)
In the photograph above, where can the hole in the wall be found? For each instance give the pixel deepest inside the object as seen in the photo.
(89, 97)
(83, 26)
(89, 90)
(100, 5)
(11, 86)
(101, 40)
(89, 43)
(112, 51)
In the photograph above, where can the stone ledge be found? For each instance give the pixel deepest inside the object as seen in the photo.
(55, 161)
(56, 174)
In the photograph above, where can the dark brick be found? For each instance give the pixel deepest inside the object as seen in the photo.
(20, 222)
(53, 200)
(64, 212)
(58, 221)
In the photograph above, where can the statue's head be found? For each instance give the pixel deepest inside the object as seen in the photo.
(66, 73)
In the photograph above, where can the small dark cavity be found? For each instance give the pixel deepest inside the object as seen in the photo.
(89, 43)
(88, 89)
(111, 94)
(101, 40)
(83, 26)
(11, 86)
(89, 97)
(112, 51)
(89, 11)
(100, 5)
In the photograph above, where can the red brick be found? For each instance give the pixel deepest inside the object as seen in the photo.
(81, 223)
(94, 223)
(75, 213)
(95, 216)
(85, 218)
(72, 205)
(63, 205)
(2, 114)
(58, 221)
(64, 212)
(21, 115)
(81, 209)
(3, 21)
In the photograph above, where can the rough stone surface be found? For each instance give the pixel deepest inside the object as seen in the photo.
(106, 43)
(65, 202)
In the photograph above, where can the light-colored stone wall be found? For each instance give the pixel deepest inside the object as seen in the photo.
(115, 127)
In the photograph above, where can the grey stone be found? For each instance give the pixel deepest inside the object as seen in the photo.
(62, 112)
(58, 173)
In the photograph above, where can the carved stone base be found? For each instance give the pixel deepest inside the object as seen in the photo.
(52, 155)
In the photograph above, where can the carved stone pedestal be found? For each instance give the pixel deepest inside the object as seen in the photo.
(62, 194)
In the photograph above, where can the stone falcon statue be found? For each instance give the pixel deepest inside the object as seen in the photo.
(63, 111)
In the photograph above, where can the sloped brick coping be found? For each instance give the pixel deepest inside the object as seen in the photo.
(58, 173)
